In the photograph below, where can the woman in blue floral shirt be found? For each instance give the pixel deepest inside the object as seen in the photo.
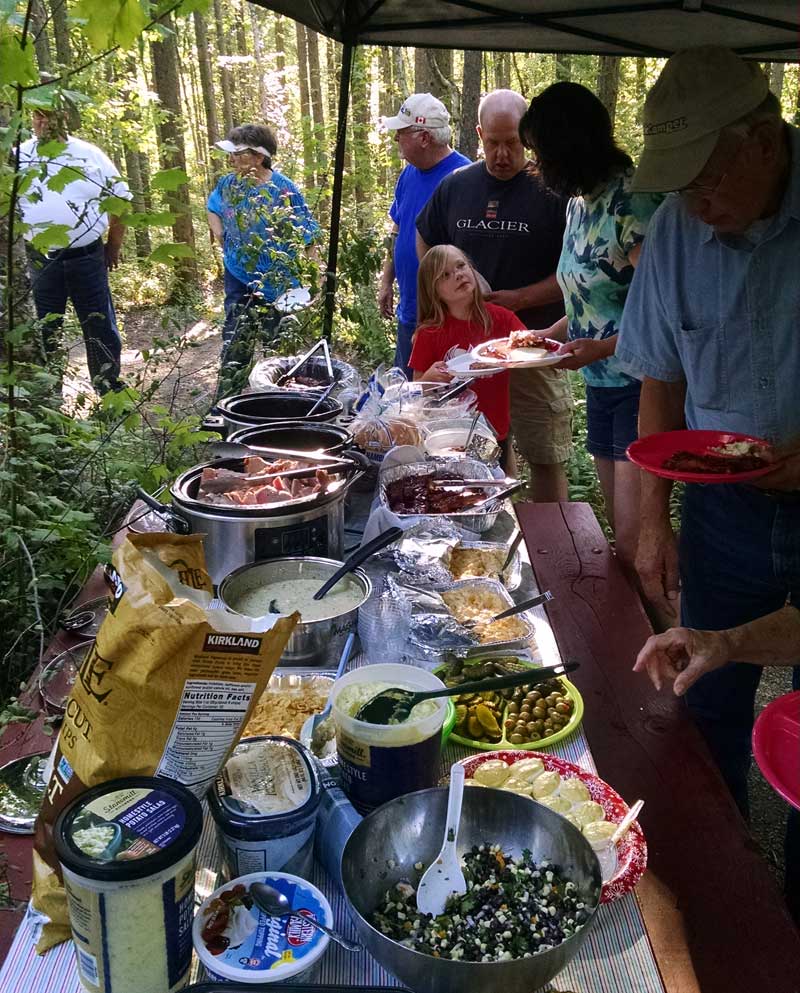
(575, 155)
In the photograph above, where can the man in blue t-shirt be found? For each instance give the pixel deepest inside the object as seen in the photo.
(422, 132)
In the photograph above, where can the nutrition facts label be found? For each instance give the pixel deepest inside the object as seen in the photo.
(208, 718)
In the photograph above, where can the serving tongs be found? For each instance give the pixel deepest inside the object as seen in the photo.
(456, 391)
(517, 608)
(322, 345)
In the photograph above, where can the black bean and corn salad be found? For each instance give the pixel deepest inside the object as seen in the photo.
(512, 909)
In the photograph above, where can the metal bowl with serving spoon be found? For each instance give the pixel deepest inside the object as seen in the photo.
(393, 706)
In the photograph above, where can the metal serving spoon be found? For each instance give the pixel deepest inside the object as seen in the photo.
(393, 706)
(510, 611)
(276, 904)
(381, 541)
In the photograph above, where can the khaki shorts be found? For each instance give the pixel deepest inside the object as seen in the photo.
(541, 414)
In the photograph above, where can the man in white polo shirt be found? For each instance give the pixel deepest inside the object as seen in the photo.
(77, 271)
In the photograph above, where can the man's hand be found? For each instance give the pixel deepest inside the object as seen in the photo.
(786, 476)
(584, 351)
(113, 255)
(657, 565)
(510, 299)
(682, 655)
(437, 374)
(386, 299)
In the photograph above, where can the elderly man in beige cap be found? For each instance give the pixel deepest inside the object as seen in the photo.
(711, 325)
(421, 128)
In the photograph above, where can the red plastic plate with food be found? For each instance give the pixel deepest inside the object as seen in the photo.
(521, 350)
(703, 456)
(776, 746)
(628, 861)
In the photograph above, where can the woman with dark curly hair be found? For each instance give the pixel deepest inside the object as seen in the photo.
(575, 155)
(262, 222)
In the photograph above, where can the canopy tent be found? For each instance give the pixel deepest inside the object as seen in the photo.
(766, 30)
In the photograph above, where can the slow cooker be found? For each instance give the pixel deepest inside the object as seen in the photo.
(247, 410)
(296, 436)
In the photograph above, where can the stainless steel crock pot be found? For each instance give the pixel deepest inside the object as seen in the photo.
(236, 535)
(247, 410)
(296, 436)
(317, 643)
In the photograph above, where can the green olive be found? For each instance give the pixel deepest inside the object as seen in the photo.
(540, 710)
(562, 708)
(531, 727)
(516, 739)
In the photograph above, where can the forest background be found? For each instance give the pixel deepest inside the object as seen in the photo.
(155, 85)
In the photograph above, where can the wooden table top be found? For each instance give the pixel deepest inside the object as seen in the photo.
(716, 919)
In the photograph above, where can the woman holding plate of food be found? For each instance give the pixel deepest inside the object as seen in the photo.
(570, 133)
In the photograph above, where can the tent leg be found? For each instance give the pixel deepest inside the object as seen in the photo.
(336, 200)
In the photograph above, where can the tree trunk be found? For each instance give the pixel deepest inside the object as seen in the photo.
(144, 172)
(502, 71)
(172, 150)
(362, 171)
(390, 162)
(133, 169)
(608, 83)
(470, 98)
(315, 88)
(41, 39)
(141, 235)
(563, 67)
(280, 49)
(190, 90)
(224, 70)
(776, 71)
(332, 77)
(206, 77)
(305, 105)
(796, 117)
(400, 78)
(423, 82)
(58, 14)
(258, 52)
(641, 87)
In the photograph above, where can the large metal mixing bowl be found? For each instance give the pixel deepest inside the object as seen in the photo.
(385, 846)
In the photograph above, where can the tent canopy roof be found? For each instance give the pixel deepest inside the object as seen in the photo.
(759, 29)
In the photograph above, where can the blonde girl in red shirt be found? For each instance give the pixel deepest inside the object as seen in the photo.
(452, 312)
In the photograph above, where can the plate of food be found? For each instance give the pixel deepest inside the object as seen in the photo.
(703, 456)
(519, 718)
(466, 366)
(583, 798)
(521, 350)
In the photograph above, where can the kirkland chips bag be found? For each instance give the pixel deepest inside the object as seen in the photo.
(165, 690)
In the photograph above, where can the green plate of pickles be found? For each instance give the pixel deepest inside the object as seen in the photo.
(522, 717)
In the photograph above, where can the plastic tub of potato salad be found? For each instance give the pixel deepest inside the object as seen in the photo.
(127, 852)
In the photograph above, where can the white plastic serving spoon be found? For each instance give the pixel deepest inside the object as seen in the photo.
(444, 876)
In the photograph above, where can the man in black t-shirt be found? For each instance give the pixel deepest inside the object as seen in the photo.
(512, 228)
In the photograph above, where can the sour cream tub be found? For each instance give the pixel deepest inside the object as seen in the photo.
(127, 853)
(264, 805)
(378, 762)
(245, 945)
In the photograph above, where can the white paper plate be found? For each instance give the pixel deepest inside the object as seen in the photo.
(459, 368)
(294, 299)
(518, 358)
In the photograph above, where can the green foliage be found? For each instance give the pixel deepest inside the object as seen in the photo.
(108, 23)
(169, 179)
(17, 61)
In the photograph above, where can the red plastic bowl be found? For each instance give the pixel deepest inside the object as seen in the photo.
(776, 746)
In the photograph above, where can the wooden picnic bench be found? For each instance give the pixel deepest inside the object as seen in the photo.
(715, 918)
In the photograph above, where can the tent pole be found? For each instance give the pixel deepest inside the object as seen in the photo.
(336, 199)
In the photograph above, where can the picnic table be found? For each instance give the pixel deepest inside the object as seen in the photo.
(707, 916)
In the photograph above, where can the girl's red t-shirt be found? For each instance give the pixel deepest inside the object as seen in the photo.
(432, 344)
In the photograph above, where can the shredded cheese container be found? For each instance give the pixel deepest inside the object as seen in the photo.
(127, 853)
(264, 805)
(238, 942)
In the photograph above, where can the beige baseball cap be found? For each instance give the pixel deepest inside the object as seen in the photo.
(422, 110)
(700, 91)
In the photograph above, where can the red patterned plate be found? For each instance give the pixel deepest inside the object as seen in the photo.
(631, 850)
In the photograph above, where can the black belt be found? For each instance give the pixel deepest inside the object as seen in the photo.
(57, 254)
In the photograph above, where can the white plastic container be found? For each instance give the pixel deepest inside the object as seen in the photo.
(127, 852)
(264, 805)
(378, 762)
(262, 949)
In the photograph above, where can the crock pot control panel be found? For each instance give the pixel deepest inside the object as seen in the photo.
(310, 538)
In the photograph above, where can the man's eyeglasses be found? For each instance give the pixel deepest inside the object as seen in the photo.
(707, 191)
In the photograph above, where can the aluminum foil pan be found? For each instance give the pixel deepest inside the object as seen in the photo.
(419, 563)
(479, 520)
(427, 643)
